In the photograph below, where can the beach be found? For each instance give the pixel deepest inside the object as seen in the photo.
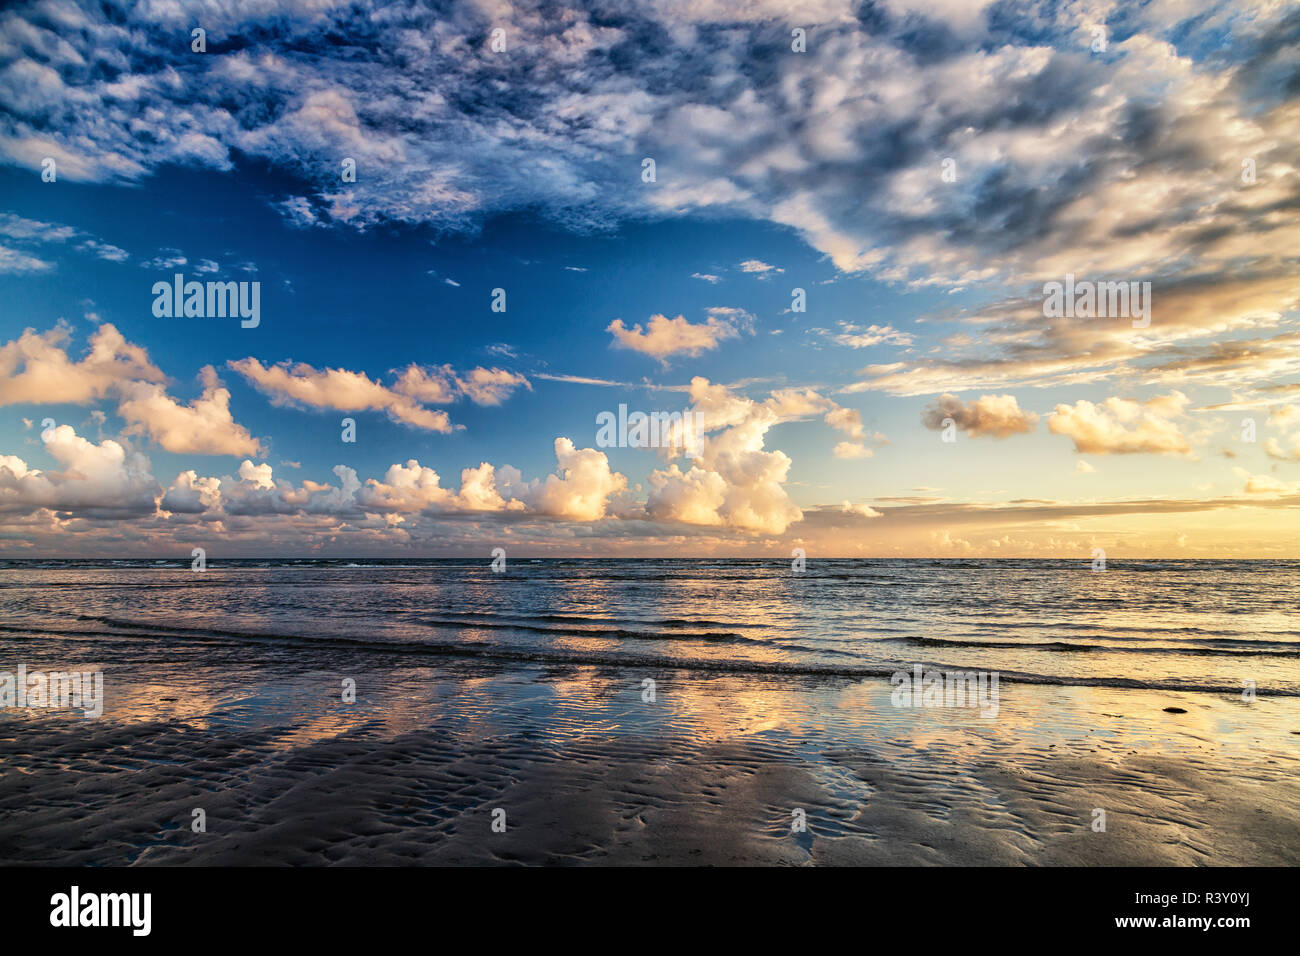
(486, 746)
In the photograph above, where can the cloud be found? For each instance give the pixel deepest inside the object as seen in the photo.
(696, 496)
(1267, 484)
(1276, 450)
(1195, 336)
(167, 260)
(102, 481)
(435, 386)
(190, 494)
(204, 426)
(404, 401)
(582, 380)
(102, 488)
(1284, 416)
(733, 481)
(579, 492)
(664, 337)
(413, 488)
(490, 386)
(1120, 426)
(793, 404)
(1123, 165)
(847, 420)
(35, 368)
(758, 267)
(858, 337)
(339, 389)
(1062, 156)
(851, 450)
(33, 232)
(996, 415)
(105, 250)
(13, 262)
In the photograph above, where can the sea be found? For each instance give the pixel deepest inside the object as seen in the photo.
(1222, 627)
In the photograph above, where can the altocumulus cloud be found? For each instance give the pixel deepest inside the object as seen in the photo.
(1079, 164)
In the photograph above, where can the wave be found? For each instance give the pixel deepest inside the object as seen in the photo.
(592, 633)
(471, 623)
(590, 619)
(623, 661)
(1265, 648)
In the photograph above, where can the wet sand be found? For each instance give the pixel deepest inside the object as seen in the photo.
(587, 772)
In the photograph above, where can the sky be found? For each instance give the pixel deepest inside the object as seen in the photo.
(825, 233)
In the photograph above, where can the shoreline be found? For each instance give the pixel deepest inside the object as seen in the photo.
(587, 771)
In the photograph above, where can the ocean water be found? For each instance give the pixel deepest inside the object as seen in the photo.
(525, 690)
(1193, 626)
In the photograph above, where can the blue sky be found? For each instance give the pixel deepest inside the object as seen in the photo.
(477, 169)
